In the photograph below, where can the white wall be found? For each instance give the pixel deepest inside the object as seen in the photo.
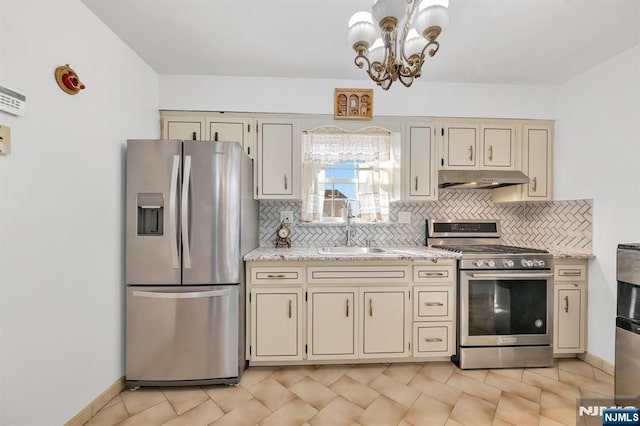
(315, 96)
(597, 155)
(61, 208)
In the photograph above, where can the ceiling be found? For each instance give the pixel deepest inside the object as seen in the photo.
(487, 41)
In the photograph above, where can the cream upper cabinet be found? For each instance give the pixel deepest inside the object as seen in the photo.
(184, 127)
(420, 180)
(233, 129)
(570, 306)
(460, 146)
(537, 164)
(498, 147)
(279, 159)
(485, 145)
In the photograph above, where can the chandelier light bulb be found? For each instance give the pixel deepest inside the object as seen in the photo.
(361, 32)
(389, 13)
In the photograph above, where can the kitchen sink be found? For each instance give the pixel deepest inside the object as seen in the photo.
(350, 250)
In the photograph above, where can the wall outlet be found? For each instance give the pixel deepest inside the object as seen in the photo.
(5, 140)
(404, 217)
(286, 216)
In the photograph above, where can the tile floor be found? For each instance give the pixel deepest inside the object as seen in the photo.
(370, 394)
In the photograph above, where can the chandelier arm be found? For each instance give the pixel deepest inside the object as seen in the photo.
(361, 59)
(406, 80)
(431, 52)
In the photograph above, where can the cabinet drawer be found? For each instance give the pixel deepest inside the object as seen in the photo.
(358, 274)
(435, 274)
(433, 303)
(281, 275)
(570, 272)
(433, 339)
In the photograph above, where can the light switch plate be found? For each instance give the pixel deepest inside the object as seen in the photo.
(404, 217)
(5, 140)
(286, 216)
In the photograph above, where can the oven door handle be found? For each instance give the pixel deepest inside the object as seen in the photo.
(513, 275)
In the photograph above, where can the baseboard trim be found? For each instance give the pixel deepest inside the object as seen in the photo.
(94, 406)
(597, 362)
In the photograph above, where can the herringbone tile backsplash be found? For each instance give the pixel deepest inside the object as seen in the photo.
(565, 225)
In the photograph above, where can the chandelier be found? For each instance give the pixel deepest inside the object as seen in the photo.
(388, 57)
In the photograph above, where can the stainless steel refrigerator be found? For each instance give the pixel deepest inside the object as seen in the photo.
(190, 219)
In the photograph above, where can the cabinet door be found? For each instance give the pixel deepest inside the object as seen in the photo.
(537, 143)
(569, 305)
(230, 129)
(461, 146)
(278, 159)
(184, 128)
(276, 332)
(384, 322)
(421, 180)
(498, 147)
(331, 324)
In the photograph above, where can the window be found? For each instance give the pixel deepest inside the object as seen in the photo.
(340, 166)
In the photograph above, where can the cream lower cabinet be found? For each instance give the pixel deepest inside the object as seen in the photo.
(331, 323)
(276, 323)
(434, 308)
(385, 316)
(570, 306)
(306, 312)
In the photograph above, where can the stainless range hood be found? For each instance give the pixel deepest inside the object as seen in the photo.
(480, 179)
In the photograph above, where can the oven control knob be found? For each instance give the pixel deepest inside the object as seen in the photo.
(479, 263)
(539, 263)
(527, 263)
(508, 263)
(491, 263)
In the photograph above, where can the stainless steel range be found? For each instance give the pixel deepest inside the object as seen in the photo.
(505, 296)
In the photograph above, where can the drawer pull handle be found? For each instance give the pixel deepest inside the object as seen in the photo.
(490, 152)
(276, 275)
(432, 274)
(433, 339)
(573, 273)
(534, 182)
(566, 303)
(416, 183)
(290, 303)
(347, 308)
(370, 307)
(434, 304)
(470, 152)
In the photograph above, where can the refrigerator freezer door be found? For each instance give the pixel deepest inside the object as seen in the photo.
(182, 333)
(153, 238)
(211, 214)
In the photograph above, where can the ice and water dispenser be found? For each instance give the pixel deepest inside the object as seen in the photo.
(150, 213)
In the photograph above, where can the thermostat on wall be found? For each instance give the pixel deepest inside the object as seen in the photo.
(12, 101)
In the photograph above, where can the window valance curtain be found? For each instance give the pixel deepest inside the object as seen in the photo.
(371, 146)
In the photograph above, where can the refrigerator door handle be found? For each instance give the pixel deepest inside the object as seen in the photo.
(190, 295)
(186, 179)
(175, 262)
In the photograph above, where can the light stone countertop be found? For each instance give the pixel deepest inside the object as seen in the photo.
(566, 254)
(311, 253)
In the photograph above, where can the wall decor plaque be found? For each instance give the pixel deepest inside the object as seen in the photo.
(353, 104)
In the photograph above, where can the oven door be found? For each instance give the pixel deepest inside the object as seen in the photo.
(506, 308)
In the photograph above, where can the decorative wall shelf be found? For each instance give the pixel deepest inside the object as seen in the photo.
(353, 104)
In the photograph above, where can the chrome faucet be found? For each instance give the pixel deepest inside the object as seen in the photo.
(350, 230)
